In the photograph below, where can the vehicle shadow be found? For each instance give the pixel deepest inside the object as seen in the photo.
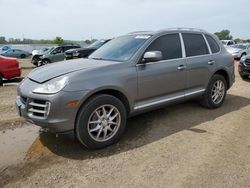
(147, 128)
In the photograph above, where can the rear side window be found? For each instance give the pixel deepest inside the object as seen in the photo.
(194, 44)
(169, 45)
(213, 44)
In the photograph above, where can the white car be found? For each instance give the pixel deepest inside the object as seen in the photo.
(227, 42)
(239, 50)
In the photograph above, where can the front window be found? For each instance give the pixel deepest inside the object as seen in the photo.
(57, 50)
(121, 48)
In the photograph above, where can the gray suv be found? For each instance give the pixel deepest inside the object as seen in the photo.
(129, 75)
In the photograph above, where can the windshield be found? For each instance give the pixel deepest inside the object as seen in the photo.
(240, 46)
(120, 49)
(51, 49)
(96, 44)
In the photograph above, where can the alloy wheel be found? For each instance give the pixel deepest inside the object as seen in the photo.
(218, 91)
(104, 122)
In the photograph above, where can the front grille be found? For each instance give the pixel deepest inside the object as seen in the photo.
(38, 108)
(247, 62)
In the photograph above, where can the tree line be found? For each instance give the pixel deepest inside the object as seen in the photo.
(57, 40)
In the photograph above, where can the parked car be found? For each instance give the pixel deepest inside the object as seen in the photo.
(37, 55)
(244, 67)
(5, 48)
(9, 68)
(227, 42)
(84, 52)
(15, 53)
(55, 55)
(129, 75)
(239, 50)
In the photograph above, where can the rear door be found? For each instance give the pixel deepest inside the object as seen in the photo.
(200, 63)
(165, 80)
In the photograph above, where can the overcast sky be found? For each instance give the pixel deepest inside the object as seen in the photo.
(82, 19)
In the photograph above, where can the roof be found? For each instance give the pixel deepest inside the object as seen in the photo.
(177, 29)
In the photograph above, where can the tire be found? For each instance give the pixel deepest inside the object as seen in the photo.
(1, 80)
(209, 99)
(43, 62)
(23, 56)
(35, 60)
(87, 133)
(244, 77)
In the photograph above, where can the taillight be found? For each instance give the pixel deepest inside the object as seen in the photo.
(18, 64)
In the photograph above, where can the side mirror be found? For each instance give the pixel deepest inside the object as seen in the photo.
(152, 56)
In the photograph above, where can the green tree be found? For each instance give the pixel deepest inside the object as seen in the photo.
(58, 40)
(87, 41)
(224, 35)
(2, 40)
(238, 40)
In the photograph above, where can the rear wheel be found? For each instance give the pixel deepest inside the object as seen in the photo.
(244, 77)
(23, 56)
(101, 121)
(215, 93)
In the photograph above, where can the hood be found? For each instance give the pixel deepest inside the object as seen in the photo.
(53, 70)
(79, 49)
(233, 50)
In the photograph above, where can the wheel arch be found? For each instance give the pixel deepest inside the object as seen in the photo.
(111, 91)
(225, 74)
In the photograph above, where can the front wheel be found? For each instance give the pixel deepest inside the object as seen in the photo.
(215, 93)
(101, 121)
(43, 62)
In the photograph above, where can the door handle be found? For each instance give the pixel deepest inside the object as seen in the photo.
(211, 62)
(181, 67)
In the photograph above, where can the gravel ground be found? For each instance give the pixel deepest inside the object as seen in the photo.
(179, 146)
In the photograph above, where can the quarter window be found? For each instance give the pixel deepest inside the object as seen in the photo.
(169, 45)
(194, 44)
(213, 44)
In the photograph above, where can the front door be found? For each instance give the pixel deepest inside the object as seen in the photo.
(165, 80)
(57, 55)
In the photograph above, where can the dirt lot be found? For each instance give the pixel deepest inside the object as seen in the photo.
(179, 146)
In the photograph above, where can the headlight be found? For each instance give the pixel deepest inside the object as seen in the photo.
(76, 54)
(52, 86)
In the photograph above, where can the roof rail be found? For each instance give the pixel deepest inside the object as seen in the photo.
(186, 29)
(140, 32)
